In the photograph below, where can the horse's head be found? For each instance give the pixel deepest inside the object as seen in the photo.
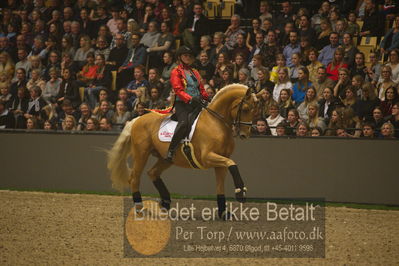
(243, 113)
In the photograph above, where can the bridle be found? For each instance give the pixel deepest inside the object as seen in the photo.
(237, 121)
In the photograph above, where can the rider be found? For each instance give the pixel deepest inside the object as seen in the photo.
(190, 95)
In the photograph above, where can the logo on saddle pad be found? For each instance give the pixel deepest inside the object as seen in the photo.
(167, 129)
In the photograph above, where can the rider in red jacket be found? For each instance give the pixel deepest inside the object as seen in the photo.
(190, 96)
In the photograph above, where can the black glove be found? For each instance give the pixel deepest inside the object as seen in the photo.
(196, 101)
(204, 103)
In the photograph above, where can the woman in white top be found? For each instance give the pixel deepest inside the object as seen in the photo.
(274, 119)
(394, 64)
(52, 86)
(283, 82)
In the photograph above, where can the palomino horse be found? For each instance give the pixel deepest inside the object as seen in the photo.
(230, 113)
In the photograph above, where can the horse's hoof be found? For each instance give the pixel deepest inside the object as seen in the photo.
(224, 215)
(165, 204)
(241, 194)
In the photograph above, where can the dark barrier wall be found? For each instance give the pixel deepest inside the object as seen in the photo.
(340, 170)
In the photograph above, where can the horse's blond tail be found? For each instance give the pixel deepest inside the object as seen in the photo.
(117, 158)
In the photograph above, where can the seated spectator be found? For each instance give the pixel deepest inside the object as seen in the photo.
(164, 43)
(327, 104)
(85, 48)
(353, 28)
(101, 81)
(103, 110)
(69, 123)
(343, 82)
(22, 63)
(31, 123)
(313, 119)
(36, 80)
(245, 79)
(136, 56)
(313, 65)
(88, 72)
(139, 81)
(19, 106)
(227, 79)
(264, 10)
(373, 21)
(179, 22)
(5, 94)
(281, 129)
(169, 64)
(53, 62)
(123, 96)
(373, 72)
(296, 66)
(285, 102)
(306, 30)
(394, 64)
(154, 80)
(240, 47)
(394, 118)
(283, 82)
(52, 86)
(280, 63)
(239, 62)
(270, 50)
(20, 81)
(102, 47)
(387, 131)
(203, 65)
(121, 116)
(48, 125)
(92, 124)
(391, 38)
(337, 63)
(316, 132)
(35, 104)
(218, 47)
(291, 48)
(67, 62)
(368, 130)
(327, 53)
(385, 82)
(35, 63)
(68, 90)
(265, 102)
(257, 62)
(274, 118)
(263, 82)
(368, 101)
(302, 130)
(7, 119)
(391, 97)
(85, 115)
(350, 50)
(323, 38)
(233, 31)
(151, 37)
(7, 65)
(262, 128)
(310, 98)
(251, 40)
(350, 100)
(139, 110)
(67, 45)
(377, 119)
(205, 46)
(359, 68)
(300, 87)
(156, 102)
(222, 63)
(105, 124)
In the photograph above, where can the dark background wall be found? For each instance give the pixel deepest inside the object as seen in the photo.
(339, 170)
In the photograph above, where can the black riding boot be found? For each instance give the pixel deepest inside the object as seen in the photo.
(180, 133)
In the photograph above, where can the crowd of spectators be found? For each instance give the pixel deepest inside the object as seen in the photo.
(95, 64)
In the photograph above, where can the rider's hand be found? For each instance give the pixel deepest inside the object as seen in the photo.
(196, 101)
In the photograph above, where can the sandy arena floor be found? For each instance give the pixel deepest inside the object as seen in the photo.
(51, 228)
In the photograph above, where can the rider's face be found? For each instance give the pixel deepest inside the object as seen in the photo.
(186, 59)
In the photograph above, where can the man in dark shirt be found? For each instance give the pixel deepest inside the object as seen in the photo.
(197, 26)
(306, 30)
(118, 54)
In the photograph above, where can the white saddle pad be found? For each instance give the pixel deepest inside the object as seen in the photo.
(168, 127)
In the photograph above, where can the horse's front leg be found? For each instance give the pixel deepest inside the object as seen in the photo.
(215, 160)
(220, 173)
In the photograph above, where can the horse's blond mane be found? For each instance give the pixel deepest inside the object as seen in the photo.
(227, 89)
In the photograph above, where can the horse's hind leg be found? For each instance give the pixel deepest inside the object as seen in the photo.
(215, 160)
(140, 159)
(155, 175)
(221, 199)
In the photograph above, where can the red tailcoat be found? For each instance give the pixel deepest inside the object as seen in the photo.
(179, 83)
